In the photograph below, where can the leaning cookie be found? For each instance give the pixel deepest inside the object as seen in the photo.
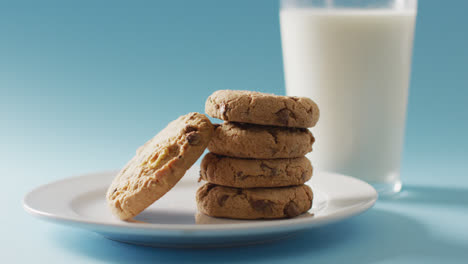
(253, 173)
(158, 165)
(262, 109)
(260, 142)
(258, 203)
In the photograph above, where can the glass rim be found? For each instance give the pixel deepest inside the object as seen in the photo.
(387, 5)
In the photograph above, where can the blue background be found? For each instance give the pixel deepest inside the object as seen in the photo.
(84, 83)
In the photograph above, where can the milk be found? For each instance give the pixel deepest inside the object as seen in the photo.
(355, 65)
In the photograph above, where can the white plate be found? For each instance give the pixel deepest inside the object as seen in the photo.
(173, 220)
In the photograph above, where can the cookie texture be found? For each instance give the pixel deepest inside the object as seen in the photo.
(263, 109)
(158, 165)
(254, 173)
(257, 203)
(261, 142)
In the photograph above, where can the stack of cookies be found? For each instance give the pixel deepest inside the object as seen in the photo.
(257, 167)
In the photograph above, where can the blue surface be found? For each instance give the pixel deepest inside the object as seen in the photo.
(83, 83)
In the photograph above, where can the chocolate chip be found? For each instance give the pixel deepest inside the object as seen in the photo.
(262, 205)
(291, 210)
(204, 191)
(312, 139)
(304, 176)
(273, 171)
(283, 116)
(222, 199)
(114, 190)
(190, 128)
(193, 138)
(264, 166)
(274, 134)
(273, 151)
(240, 175)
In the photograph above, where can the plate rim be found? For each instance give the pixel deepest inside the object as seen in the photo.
(296, 223)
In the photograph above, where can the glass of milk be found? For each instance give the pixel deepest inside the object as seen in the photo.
(353, 58)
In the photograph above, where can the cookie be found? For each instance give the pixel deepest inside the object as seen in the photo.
(257, 203)
(158, 165)
(260, 142)
(253, 173)
(262, 109)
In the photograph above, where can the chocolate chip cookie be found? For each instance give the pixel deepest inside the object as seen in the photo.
(262, 109)
(253, 173)
(261, 142)
(158, 165)
(257, 203)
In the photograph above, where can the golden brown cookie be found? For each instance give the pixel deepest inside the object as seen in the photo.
(262, 109)
(253, 173)
(257, 203)
(260, 142)
(159, 164)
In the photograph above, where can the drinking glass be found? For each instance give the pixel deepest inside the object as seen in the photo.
(353, 58)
